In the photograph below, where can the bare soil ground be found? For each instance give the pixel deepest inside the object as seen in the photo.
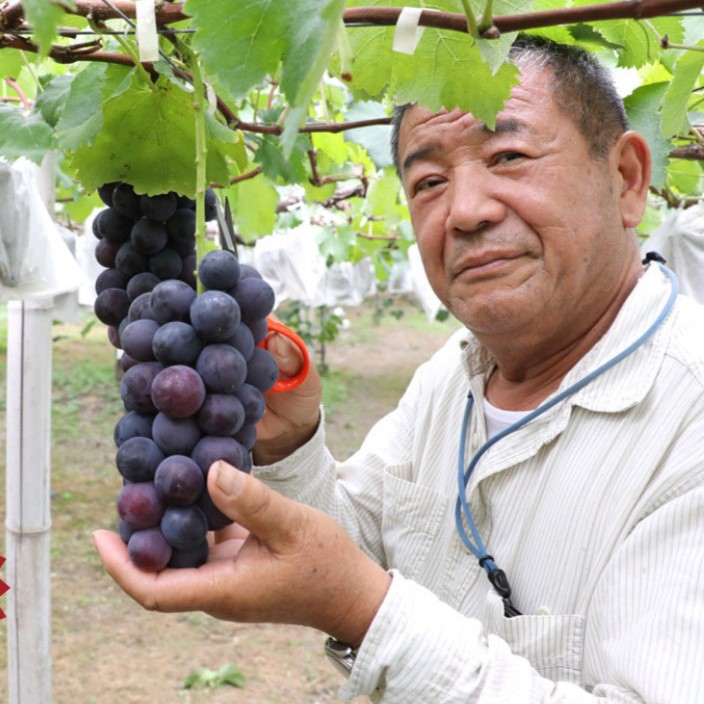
(105, 649)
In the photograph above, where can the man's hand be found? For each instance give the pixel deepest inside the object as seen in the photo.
(296, 565)
(291, 417)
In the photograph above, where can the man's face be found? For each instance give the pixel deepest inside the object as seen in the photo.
(518, 228)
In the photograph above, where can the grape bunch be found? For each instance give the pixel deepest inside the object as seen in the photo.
(194, 374)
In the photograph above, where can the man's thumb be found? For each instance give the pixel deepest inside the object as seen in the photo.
(286, 354)
(254, 506)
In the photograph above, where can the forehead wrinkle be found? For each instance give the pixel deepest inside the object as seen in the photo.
(505, 126)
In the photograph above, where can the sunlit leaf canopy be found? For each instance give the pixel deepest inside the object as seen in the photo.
(292, 99)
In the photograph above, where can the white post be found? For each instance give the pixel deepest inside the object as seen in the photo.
(28, 511)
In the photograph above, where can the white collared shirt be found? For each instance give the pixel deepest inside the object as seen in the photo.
(595, 510)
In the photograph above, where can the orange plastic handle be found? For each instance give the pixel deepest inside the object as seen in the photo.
(294, 381)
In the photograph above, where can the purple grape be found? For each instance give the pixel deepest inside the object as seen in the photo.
(126, 201)
(210, 205)
(105, 253)
(178, 480)
(222, 368)
(129, 261)
(125, 532)
(247, 436)
(188, 271)
(255, 298)
(182, 225)
(176, 343)
(167, 264)
(243, 340)
(184, 527)
(138, 458)
(111, 306)
(247, 271)
(220, 414)
(215, 517)
(148, 237)
(171, 300)
(253, 402)
(143, 282)
(259, 329)
(113, 226)
(110, 278)
(137, 339)
(159, 207)
(215, 315)
(149, 550)
(105, 192)
(175, 436)
(262, 370)
(114, 336)
(126, 362)
(141, 308)
(139, 506)
(133, 425)
(219, 270)
(136, 387)
(195, 557)
(212, 448)
(178, 391)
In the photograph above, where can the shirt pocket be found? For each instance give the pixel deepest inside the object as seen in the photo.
(411, 521)
(553, 644)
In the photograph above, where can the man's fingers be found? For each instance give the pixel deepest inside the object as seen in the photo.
(286, 354)
(269, 516)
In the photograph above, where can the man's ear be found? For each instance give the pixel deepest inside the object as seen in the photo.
(632, 158)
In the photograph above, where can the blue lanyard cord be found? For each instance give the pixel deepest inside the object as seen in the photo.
(476, 546)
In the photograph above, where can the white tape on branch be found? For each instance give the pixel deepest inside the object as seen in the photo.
(408, 33)
(147, 37)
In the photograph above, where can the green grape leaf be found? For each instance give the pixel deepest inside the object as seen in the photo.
(44, 16)
(642, 108)
(254, 207)
(687, 71)
(332, 145)
(336, 243)
(685, 176)
(376, 140)
(82, 117)
(144, 126)
(383, 197)
(11, 63)
(275, 164)
(24, 134)
(50, 102)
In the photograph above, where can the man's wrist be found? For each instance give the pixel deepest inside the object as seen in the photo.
(267, 452)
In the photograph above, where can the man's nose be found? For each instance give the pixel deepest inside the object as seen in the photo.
(474, 201)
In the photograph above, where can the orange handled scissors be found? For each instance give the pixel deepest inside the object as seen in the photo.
(298, 379)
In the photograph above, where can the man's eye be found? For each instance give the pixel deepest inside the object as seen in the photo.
(505, 157)
(427, 183)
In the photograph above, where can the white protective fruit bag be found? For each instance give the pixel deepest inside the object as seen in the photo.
(34, 259)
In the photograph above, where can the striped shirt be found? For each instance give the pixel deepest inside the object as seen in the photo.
(595, 510)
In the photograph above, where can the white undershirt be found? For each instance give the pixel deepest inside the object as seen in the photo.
(497, 419)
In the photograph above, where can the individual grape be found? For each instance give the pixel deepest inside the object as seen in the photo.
(136, 387)
(178, 391)
(259, 329)
(148, 237)
(219, 270)
(125, 532)
(255, 298)
(211, 448)
(133, 425)
(210, 205)
(111, 306)
(114, 336)
(178, 480)
(159, 207)
(113, 226)
(175, 436)
(139, 506)
(137, 459)
(195, 557)
(247, 271)
(105, 253)
(253, 402)
(247, 436)
(167, 264)
(216, 519)
(141, 308)
(222, 368)
(215, 315)
(171, 300)
(137, 339)
(243, 340)
(126, 201)
(110, 278)
(126, 362)
(129, 261)
(182, 225)
(262, 370)
(149, 550)
(188, 271)
(176, 343)
(105, 192)
(220, 414)
(143, 282)
(184, 527)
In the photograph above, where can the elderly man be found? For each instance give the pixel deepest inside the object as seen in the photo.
(556, 445)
